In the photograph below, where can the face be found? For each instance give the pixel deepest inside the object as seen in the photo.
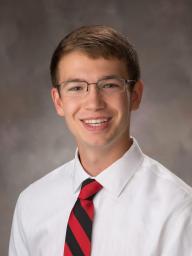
(96, 121)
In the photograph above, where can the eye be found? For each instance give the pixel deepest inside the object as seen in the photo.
(75, 87)
(110, 85)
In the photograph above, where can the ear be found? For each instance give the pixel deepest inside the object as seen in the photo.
(57, 101)
(136, 95)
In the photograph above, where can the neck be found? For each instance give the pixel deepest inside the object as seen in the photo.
(95, 160)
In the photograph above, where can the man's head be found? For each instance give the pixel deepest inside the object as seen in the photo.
(96, 85)
(96, 41)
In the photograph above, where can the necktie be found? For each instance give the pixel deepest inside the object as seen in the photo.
(79, 228)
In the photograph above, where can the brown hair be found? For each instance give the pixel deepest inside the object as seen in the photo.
(97, 41)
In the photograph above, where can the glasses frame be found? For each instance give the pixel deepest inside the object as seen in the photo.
(127, 82)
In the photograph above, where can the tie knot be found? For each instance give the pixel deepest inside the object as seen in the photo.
(89, 189)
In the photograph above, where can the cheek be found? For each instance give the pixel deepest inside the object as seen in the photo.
(122, 104)
(69, 107)
(70, 112)
(124, 110)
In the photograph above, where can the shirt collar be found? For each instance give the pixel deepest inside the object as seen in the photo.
(115, 177)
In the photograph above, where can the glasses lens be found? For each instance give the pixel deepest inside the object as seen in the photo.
(74, 88)
(112, 85)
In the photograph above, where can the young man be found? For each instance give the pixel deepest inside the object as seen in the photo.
(111, 199)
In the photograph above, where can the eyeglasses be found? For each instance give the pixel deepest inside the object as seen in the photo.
(107, 86)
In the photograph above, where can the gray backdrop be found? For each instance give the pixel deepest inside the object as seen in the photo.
(34, 140)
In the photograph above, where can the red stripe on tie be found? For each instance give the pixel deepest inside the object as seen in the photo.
(88, 207)
(67, 250)
(80, 235)
(89, 190)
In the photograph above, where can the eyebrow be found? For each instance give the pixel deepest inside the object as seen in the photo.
(111, 76)
(74, 80)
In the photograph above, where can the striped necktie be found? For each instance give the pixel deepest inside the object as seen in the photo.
(79, 228)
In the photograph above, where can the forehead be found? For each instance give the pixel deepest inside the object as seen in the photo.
(78, 64)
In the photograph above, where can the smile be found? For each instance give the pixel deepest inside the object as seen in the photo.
(96, 122)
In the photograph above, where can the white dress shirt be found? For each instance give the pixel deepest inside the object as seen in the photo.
(142, 210)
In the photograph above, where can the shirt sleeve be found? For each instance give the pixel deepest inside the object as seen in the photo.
(18, 241)
(177, 238)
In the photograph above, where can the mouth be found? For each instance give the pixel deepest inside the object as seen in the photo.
(96, 123)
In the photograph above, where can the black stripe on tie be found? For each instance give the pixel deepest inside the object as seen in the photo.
(72, 243)
(83, 218)
(91, 197)
(86, 182)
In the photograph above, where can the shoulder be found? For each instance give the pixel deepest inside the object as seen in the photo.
(166, 176)
(49, 186)
(43, 200)
(163, 187)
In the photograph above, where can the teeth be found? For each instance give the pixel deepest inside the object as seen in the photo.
(95, 121)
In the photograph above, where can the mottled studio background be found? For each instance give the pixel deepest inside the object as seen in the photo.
(34, 140)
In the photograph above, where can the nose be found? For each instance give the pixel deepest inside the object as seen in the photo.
(94, 100)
